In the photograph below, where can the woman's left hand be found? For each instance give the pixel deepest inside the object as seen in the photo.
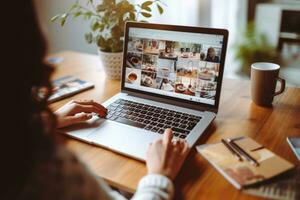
(78, 111)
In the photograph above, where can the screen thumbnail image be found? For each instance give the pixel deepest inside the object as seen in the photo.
(133, 76)
(148, 79)
(135, 44)
(187, 67)
(134, 60)
(212, 54)
(208, 71)
(185, 85)
(165, 67)
(206, 89)
(149, 62)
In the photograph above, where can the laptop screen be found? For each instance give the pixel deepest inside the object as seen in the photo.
(182, 65)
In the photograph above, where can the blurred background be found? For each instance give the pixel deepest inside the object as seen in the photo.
(259, 30)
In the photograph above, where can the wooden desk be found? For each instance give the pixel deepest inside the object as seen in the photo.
(197, 180)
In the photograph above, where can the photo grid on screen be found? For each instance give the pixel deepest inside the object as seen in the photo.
(178, 67)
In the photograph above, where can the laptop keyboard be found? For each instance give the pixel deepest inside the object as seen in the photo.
(151, 118)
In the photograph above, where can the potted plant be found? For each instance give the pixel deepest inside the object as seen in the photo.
(107, 20)
(254, 47)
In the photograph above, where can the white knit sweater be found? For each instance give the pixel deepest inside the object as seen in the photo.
(62, 176)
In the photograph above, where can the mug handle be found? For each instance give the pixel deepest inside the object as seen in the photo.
(282, 82)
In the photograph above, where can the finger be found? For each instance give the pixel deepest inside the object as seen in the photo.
(90, 102)
(167, 138)
(81, 117)
(88, 109)
(185, 148)
(175, 141)
(181, 143)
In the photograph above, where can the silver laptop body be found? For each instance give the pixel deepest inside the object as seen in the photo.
(171, 77)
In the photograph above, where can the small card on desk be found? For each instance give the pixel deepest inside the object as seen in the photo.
(243, 173)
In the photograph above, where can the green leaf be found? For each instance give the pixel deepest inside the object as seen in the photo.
(146, 4)
(63, 18)
(94, 25)
(160, 9)
(88, 15)
(54, 18)
(63, 21)
(147, 9)
(75, 5)
(77, 14)
(88, 37)
(65, 15)
(145, 14)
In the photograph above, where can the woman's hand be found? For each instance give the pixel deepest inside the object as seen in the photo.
(78, 111)
(165, 156)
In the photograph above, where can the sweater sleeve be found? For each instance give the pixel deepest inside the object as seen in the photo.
(154, 187)
(151, 187)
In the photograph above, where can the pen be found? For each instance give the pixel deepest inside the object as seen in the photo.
(243, 152)
(232, 150)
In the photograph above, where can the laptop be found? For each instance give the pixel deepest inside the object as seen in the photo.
(171, 78)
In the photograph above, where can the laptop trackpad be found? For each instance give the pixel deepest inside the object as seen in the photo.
(123, 138)
(82, 130)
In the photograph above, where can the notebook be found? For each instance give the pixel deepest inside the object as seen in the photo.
(67, 86)
(242, 173)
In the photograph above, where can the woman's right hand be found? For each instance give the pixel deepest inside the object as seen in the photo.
(165, 156)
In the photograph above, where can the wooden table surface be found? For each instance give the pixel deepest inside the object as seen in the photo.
(237, 116)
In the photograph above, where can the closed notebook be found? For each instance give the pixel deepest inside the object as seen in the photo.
(243, 173)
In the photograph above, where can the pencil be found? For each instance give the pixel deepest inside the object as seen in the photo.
(231, 150)
(243, 153)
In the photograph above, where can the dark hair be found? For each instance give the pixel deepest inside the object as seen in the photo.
(27, 121)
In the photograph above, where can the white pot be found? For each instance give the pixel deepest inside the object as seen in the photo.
(112, 64)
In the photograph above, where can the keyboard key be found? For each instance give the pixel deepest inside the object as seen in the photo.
(177, 120)
(180, 130)
(174, 124)
(160, 125)
(155, 129)
(161, 131)
(182, 136)
(184, 117)
(148, 127)
(140, 120)
(161, 120)
(183, 126)
(167, 126)
(169, 118)
(154, 119)
(156, 115)
(184, 122)
(129, 122)
(194, 120)
(153, 123)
